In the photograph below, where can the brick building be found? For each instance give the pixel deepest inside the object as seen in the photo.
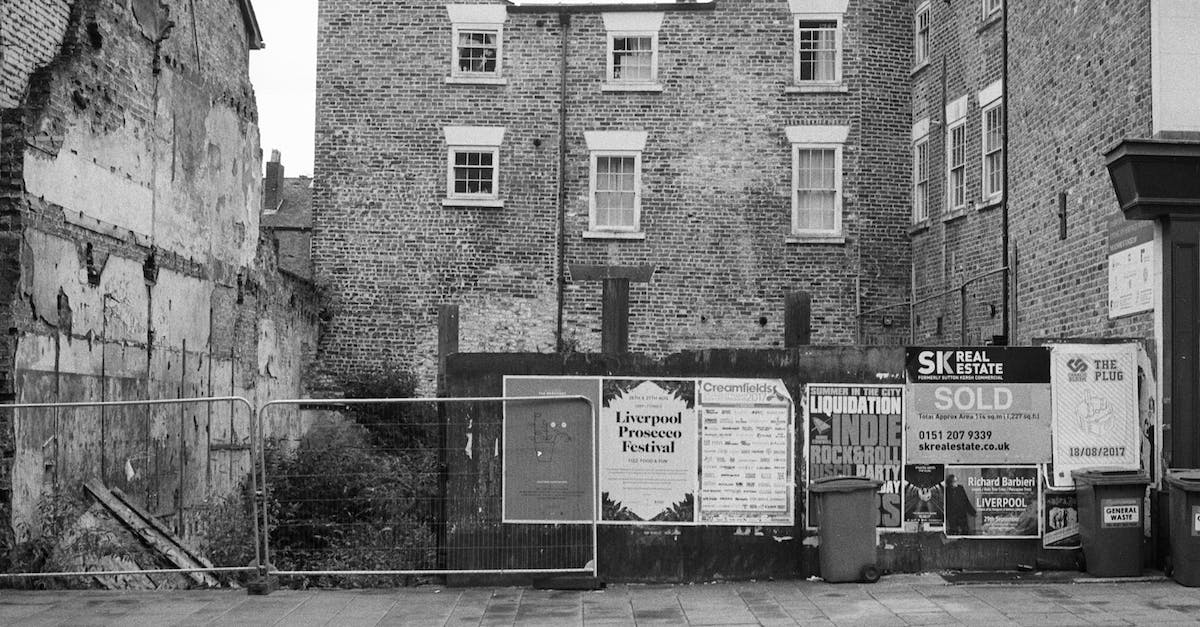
(130, 266)
(549, 166)
(286, 219)
(1079, 79)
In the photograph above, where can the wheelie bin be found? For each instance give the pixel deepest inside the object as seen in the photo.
(1185, 526)
(1111, 520)
(846, 513)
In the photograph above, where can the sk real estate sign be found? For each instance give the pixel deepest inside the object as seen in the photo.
(984, 405)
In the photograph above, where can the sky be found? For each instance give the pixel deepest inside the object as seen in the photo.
(284, 77)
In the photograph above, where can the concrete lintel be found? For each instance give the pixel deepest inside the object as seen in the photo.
(592, 272)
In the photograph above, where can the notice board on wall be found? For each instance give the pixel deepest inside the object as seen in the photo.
(1096, 414)
(666, 451)
(858, 430)
(986, 405)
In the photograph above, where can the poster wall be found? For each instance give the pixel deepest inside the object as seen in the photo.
(746, 436)
(989, 405)
(992, 501)
(666, 451)
(649, 442)
(544, 443)
(1096, 419)
(858, 430)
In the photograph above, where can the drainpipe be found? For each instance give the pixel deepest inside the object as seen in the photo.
(1005, 321)
(564, 26)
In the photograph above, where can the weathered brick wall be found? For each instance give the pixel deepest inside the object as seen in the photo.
(130, 194)
(949, 249)
(716, 175)
(30, 34)
(1080, 84)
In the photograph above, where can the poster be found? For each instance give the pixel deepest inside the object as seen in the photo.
(648, 451)
(924, 496)
(1096, 421)
(992, 501)
(1060, 520)
(988, 405)
(1130, 266)
(746, 467)
(857, 430)
(548, 450)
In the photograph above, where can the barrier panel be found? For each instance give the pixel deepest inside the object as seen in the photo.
(101, 488)
(394, 488)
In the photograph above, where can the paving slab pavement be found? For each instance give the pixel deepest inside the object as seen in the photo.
(895, 600)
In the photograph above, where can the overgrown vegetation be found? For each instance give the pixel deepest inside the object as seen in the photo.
(64, 538)
(359, 493)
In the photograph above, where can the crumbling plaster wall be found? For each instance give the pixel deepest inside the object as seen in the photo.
(130, 190)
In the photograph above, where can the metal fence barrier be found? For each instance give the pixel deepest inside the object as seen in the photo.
(133, 458)
(404, 487)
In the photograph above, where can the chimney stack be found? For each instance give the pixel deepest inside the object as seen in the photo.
(273, 183)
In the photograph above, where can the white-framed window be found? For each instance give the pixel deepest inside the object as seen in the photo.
(473, 166)
(956, 166)
(991, 115)
(992, 7)
(615, 184)
(921, 180)
(818, 49)
(477, 43)
(631, 60)
(818, 27)
(921, 34)
(816, 188)
(956, 154)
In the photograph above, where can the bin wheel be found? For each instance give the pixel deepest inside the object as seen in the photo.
(869, 574)
(1168, 566)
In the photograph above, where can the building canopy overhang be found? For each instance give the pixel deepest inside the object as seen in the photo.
(1156, 178)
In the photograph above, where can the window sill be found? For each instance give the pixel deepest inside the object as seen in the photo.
(490, 203)
(615, 235)
(476, 80)
(954, 214)
(816, 88)
(989, 203)
(816, 239)
(917, 69)
(919, 227)
(635, 87)
(989, 21)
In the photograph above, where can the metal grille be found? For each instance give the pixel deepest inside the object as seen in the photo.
(397, 488)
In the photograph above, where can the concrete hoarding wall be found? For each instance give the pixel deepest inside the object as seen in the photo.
(696, 553)
(130, 258)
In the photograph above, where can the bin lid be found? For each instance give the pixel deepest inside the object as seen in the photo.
(1185, 479)
(1110, 476)
(843, 483)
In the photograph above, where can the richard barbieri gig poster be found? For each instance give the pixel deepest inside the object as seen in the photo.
(992, 501)
(858, 430)
(648, 439)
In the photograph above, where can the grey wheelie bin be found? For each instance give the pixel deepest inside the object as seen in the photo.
(1110, 520)
(846, 515)
(1185, 526)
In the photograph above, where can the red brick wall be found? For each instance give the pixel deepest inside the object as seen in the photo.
(716, 175)
(1081, 83)
(964, 58)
